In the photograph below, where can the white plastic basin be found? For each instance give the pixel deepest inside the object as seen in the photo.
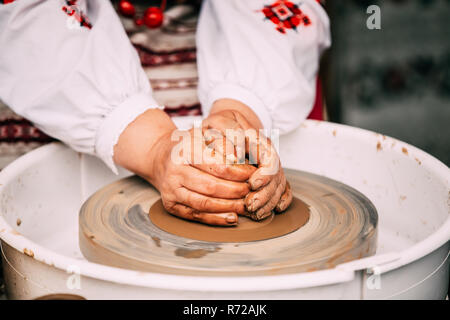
(410, 189)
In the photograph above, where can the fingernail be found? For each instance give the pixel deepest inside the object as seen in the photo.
(252, 206)
(230, 218)
(249, 203)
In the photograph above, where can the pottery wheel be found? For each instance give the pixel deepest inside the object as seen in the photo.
(327, 224)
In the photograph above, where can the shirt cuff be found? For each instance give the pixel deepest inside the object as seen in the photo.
(236, 92)
(115, 123)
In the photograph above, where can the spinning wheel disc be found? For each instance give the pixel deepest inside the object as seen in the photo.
(115, 229)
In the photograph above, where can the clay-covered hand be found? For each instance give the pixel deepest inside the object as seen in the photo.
(269, 189)
(207, 191)
(194, 181)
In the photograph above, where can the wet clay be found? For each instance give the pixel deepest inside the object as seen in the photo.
(276, 225)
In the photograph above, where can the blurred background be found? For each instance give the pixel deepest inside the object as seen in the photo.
(395, 81)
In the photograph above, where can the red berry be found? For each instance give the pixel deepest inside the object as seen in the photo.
(126, 8)
(139, 21)
(153, 17)
(7, 1)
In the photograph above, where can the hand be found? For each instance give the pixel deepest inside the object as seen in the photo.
(194, 191)
(270, 190)
(190, 191)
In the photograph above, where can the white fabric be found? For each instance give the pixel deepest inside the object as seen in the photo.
(241, 55)
(82, 86)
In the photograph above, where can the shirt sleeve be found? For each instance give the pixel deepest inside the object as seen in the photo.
(266, 56)
(69, 67)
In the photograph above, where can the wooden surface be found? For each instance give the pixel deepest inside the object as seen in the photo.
(115, 229)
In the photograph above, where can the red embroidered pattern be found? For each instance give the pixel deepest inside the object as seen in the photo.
(286, 15)
(71, 9)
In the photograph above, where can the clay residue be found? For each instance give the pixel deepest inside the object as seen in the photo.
(418, 161)
(405, 151)
(18, 222)
(334, 133)
(379, 148)
(28, 252)
(329, 194)
(333, 232)
(193, 253)
(157, 241)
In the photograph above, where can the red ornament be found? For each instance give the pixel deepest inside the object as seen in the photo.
(285, 15)
(7, 1)
(153, 17)
(126, 8)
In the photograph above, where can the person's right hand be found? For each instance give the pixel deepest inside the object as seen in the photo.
(193, 190)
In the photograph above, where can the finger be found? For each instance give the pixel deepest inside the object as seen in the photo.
(266, 210)
(228, 141)
(209, 185)
(212, 147)
(225, 148)
(222, 122)
(262, 151)
(204, 203)
(255, 200)
(213, 164)
(218, 219)
(285, 200)
(232, 172)
(262, 176)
